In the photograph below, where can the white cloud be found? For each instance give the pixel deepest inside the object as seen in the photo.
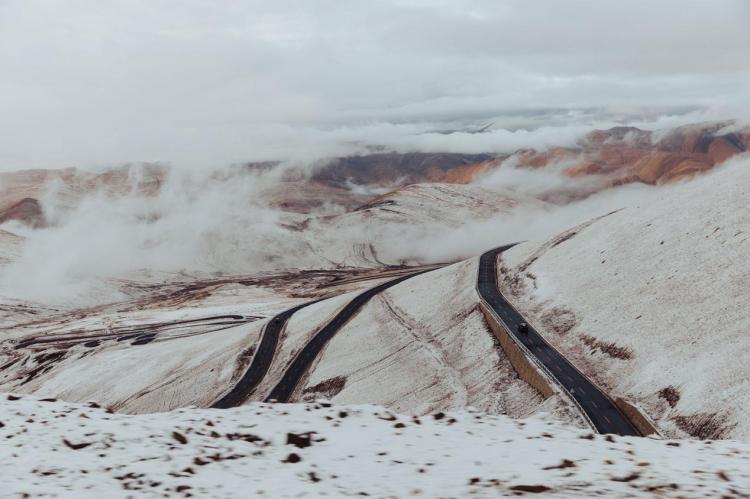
(217, 81)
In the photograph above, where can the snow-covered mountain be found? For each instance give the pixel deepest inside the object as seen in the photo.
(649, 301)
(147, 293)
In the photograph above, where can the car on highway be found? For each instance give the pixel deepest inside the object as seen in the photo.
(523, 328)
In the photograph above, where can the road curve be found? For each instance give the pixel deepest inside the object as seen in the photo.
(261, 360)
(283, 391)
(600, 410)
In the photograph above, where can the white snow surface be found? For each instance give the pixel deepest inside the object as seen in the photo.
(668, 283)
(392, 228)
(55, 449)
(422, 346)
(300, 329)
(186, 364)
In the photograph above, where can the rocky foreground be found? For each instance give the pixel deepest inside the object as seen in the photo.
(56, 449)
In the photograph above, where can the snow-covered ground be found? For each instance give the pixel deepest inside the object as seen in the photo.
(300, 328)
(419, 347)
(651, 301)
(170, 372)
(187, 363)
(390, 228)
(92, 354)
(644, 300)
(55, 449)
(176, 370)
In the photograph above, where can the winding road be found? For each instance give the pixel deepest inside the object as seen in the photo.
(291, 378)
(261, 361)
(600, 410)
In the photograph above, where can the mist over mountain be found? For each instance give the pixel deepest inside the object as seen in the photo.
(397, 248)
(206, 85)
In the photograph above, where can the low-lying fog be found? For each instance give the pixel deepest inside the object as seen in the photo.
(221, 220)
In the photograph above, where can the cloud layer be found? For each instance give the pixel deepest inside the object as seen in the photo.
(216, 81)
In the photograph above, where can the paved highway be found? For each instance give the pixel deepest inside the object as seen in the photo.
(303, 361)
(598, 407)
(261, 360)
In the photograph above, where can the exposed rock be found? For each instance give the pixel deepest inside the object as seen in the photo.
(723, 148)
(631, 155)
(670, 394)
(27, 211)
(300, 440)
(392, 168)
(661, 167)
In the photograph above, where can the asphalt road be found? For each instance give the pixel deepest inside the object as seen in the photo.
(283, 391)
(598, 407)
(261, 360)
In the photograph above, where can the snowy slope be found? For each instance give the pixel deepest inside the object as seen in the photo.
(186, 364)
(53, 449)
(300, 328)
(170, 372)
(10, 246)
(178, 370)
(198, 351)
(650, 302)
(423, 346)
(388, 230)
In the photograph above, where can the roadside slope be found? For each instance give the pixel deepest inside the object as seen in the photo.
(650, 302)
(423, 346)
(596, 406)
(388, 230)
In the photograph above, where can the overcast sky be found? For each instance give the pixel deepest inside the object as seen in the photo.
(99, 82)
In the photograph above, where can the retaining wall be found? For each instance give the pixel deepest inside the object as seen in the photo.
(525, 368)
(641, 422)
(531, 374)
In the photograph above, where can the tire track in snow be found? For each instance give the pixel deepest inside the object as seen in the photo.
(421, 336)
(304, 359)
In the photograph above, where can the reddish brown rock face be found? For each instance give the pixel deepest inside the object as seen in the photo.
(462, 174)
(620, 155)
(20, 191)
(626, 154)
(722, 148)
(27, 211)
(388, 168)
(631, 155)
(555, 155)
